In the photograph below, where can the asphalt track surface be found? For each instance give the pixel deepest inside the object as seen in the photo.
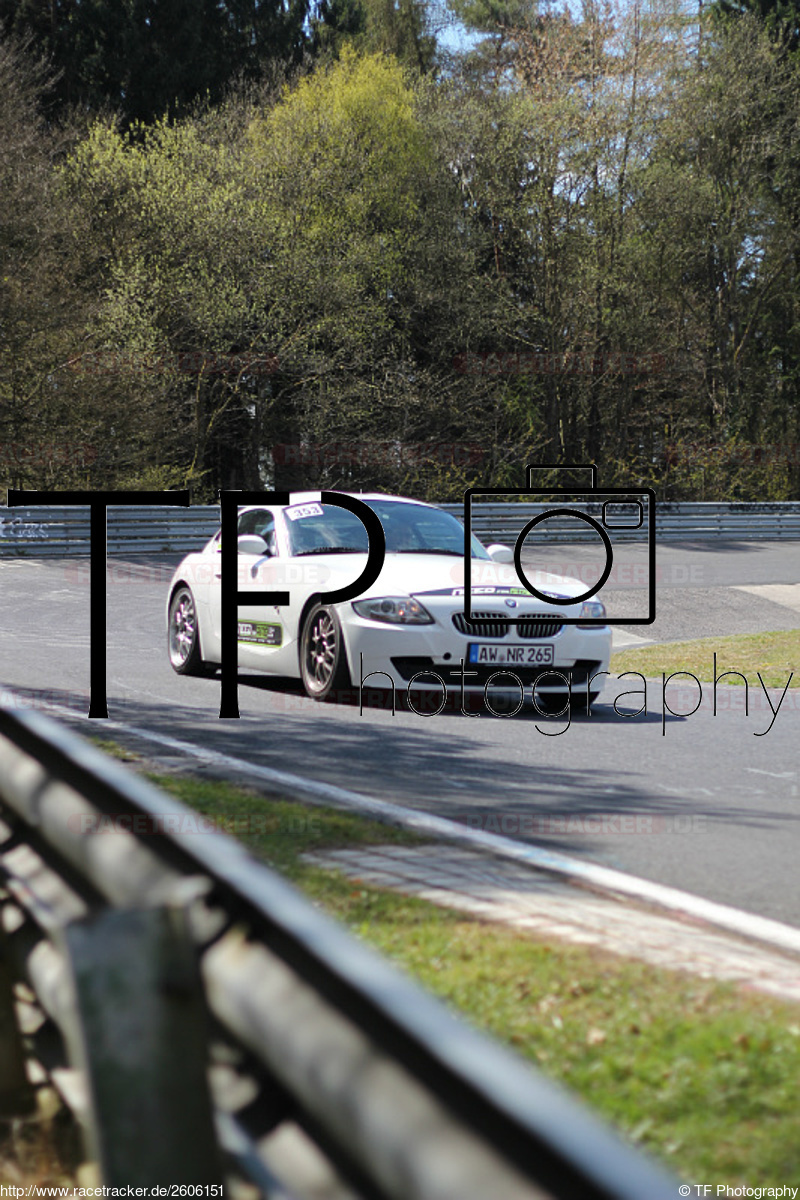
(697, 802)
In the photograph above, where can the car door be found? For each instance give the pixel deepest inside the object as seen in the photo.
(262, 630)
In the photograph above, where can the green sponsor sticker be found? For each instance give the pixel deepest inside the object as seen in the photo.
(262, 633)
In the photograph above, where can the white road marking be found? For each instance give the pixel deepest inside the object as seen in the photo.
(588, 874)
(773, 774)
(785, 594)
(621, 639)
(38, 639)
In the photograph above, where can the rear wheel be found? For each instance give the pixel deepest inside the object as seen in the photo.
(323, 660)
(183, 636)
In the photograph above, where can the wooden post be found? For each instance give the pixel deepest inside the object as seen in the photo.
(140, 1035)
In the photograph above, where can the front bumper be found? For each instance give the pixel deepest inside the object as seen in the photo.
(382, 656)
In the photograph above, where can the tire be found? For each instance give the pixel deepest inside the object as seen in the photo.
(323, 660)
(183, 637)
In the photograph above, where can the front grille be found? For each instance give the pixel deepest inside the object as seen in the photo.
(481, 624)
(486, 625)
(537, 629)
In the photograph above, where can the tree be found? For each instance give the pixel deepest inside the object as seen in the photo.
(732, 243)
(361, 270)
(780, 18)
(637, 199)
(402, 28)
(46, 428)
(313, 238)
(145, 58)
(172, 236)
(557, 123)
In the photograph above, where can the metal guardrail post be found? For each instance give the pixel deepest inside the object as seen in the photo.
(17, 1096)
(139, 1033)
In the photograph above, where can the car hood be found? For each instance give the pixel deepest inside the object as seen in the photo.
(442, 575)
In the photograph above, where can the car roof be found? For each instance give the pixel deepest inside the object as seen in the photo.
(305, 497)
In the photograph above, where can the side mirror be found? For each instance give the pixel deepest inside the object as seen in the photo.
(500, 554)
(252, 543)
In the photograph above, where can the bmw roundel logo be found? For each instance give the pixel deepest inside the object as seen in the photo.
(511, 604)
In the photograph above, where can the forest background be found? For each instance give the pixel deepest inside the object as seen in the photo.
(318, 243)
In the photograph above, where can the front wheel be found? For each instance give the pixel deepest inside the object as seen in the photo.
(183, 636)
(323, 660)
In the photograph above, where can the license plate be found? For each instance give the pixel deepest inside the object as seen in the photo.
(535, 654)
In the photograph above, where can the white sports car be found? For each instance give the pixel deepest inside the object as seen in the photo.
(409, 627)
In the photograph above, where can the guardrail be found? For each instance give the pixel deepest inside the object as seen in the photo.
(206, 1023)
(701, 521)
(38, 532)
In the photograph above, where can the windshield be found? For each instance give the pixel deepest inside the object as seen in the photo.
(409, 528)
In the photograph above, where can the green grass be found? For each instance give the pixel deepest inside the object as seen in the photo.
(775, 655)
(279, 831)
(701, 1074)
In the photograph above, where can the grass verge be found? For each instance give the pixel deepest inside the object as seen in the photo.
(701, 1074)
(775, 655)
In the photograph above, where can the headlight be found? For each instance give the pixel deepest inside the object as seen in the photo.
(393, 610)
(591, 608)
